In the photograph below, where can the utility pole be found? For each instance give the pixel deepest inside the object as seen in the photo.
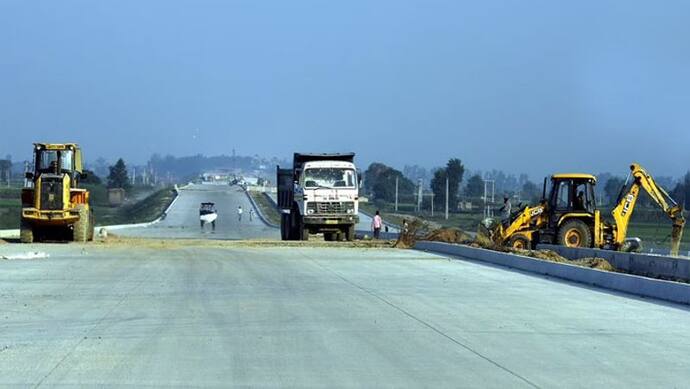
(396, 194)
(419, 195)
(432, 204)
(447, 190)
(488, 211)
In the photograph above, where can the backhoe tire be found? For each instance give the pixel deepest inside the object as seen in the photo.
(328, 236)
(80, 232)
(519, 242)
(26, 233)
(575, 233)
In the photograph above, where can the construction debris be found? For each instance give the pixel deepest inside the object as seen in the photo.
(457, 236)
(449, 235)
(27, 255)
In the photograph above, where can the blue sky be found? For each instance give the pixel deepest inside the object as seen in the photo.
(523, 86)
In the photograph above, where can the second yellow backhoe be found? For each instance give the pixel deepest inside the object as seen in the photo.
(568, 215)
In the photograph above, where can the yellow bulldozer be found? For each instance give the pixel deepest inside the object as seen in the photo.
(568, 216)
(54, 206)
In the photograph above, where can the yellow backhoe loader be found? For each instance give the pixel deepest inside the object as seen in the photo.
(55, 207)
(569, 217)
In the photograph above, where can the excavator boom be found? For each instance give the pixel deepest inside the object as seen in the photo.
(627, 200)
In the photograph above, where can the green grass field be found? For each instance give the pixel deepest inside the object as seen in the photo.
(656, 235)
(145, 210)
(267, 208)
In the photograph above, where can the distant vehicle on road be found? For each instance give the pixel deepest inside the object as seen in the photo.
(319, 194)
(208, 214)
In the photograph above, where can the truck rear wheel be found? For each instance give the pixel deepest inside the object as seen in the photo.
(284, 227)
(574, 233)
(26, 233)
(350, 233)
(80, 233)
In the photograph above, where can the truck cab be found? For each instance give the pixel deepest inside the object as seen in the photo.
(320, 194)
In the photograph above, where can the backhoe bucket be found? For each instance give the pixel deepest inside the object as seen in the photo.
(676, 236)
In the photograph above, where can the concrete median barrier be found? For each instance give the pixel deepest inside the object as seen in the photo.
(633, 284)
(648, 265)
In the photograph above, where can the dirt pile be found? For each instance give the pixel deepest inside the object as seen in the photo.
(552, 256)
(595, 263)
(153, 243)
(448, 235)
(411, 231)
(481, 240)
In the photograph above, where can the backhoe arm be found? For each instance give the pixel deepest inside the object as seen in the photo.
(626, 204)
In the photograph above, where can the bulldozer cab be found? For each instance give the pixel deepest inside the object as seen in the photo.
(54, 206)
(57, 159)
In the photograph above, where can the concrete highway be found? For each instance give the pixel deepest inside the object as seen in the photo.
(182, 220)
(152, 313)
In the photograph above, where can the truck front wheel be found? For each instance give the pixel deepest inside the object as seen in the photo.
(350, 233)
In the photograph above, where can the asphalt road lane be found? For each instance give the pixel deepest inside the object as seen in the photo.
(182, 220)
(98, 315)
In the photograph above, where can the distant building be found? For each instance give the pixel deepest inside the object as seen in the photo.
(116, 196)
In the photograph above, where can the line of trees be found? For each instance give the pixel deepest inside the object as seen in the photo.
(453, 172)
(681, 193)
(379, 181)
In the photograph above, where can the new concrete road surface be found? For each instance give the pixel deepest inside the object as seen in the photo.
(225, 314)
(182, 220)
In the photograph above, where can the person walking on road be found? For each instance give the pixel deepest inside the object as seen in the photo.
(251, 214)
(239, 213)
(505, 209)
(376, 224)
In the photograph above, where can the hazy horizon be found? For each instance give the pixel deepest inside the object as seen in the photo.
(534, 87)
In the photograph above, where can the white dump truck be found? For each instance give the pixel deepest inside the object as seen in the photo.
(320, 194)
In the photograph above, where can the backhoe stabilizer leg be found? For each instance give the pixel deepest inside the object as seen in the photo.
(676, 236)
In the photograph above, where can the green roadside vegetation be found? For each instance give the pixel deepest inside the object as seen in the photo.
(266, 207)
(10, 207)
(149, 208)
(150, 203)
(465, 220)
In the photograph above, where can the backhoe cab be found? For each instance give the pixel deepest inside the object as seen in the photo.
(54, 206)
(568, 215)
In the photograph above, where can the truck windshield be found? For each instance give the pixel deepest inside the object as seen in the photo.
(329, 178)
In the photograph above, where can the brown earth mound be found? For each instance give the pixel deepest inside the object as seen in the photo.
(448, 235)
(481, 240)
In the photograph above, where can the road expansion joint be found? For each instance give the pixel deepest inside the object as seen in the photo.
(422, 322)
